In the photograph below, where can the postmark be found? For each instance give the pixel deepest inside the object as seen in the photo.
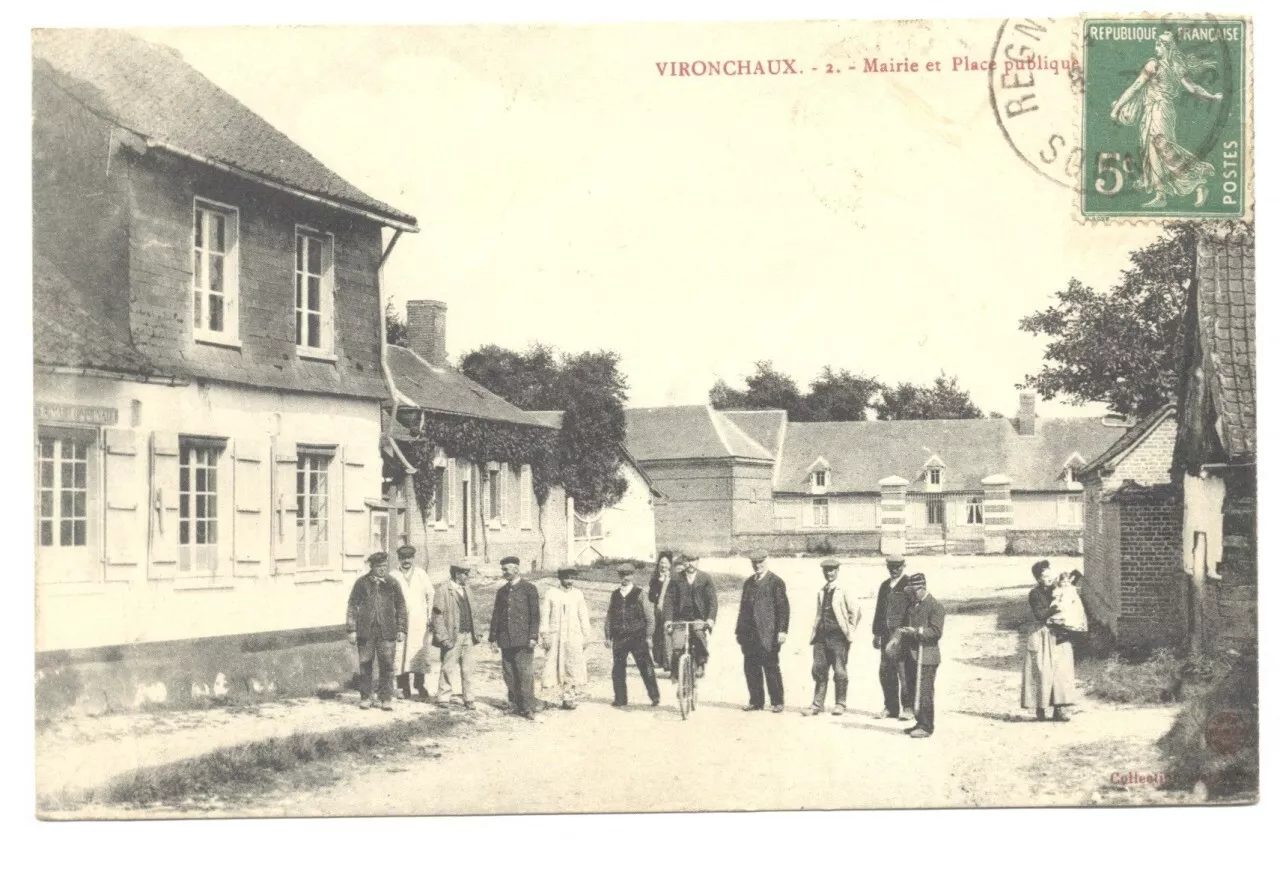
(1226, 732)
(1164, 119)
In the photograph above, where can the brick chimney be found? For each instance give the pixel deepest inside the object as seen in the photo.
(1026, 413)
(425, 321)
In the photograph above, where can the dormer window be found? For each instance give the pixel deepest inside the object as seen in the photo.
(1070, 474)
(820, 479)
(932, 475)
(1071, 468)
(935, 475)
(819, 476)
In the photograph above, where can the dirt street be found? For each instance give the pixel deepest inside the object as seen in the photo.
(986, 751)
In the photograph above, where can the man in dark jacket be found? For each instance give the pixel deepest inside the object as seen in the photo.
(628, 631)
(891, 605)
(920, 631)
(514, 630)
(376, 620)
(693, 599)
(763, 619)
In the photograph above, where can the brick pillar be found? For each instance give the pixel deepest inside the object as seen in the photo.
(893, 515)
(997, 514)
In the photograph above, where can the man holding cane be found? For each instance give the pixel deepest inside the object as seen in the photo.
(920, 632)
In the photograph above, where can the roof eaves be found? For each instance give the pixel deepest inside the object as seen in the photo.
(1130, 438)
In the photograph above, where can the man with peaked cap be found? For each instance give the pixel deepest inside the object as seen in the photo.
(920, 631)
(764, 615)
(417, 663)
(628, 631)
(566, 625)
(834, 625)
(455, 633)
(693, 599)
(513, 629)
(891, 604)
(376, 622)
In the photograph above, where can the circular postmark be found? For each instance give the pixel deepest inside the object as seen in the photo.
(1035, 84)
(1226, 732)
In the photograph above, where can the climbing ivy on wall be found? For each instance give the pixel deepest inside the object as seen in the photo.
(481, 441)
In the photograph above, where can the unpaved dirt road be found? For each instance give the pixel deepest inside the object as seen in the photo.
(985, 751)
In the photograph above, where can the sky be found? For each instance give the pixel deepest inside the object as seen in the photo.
(569, 194)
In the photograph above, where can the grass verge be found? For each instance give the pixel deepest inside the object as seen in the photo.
(255, 767)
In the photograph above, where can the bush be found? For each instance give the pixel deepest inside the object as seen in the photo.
(1198, 751)
(1153, 681)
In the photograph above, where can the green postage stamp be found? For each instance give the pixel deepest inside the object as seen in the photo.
(1165, 120)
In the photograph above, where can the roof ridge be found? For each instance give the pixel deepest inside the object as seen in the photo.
(720, 422)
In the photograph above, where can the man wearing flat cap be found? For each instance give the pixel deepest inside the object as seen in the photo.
(764, 615)
(454, 632)
(693, 599)
(920, 631)
(513, 629)
(628, 631)
(376, 622)
(834, 625)
(416, 662)
(566, 625)
(891, 605)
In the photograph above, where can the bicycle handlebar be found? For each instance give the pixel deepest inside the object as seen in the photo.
(691, 624)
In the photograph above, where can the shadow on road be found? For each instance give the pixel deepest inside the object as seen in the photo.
(1011, 663)
(998, 717)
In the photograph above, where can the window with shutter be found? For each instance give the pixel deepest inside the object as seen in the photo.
(355, 515)
(251, 523)
(312, 483)
(164, 506)
(284, 498)
(125, 521)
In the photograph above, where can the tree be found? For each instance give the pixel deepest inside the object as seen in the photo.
(1122, 347)
(592, 393)
(922, 402)
(397, 329)
(832, 396)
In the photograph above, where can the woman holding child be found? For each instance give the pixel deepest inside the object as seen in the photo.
(1048, 669)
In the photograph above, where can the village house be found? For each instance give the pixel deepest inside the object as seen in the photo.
(208, 383)
(736, 480)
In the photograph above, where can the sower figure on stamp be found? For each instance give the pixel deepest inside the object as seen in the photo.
(628, 631)
(566, 625)
(418, 598)
(376, 622)
(693, 599)
(514, 630)
(920, 632)
(891, 605)
(453, 631)
(833, 629)
(764, 615)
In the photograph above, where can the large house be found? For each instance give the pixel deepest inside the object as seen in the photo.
(735, 480)
(208, 381)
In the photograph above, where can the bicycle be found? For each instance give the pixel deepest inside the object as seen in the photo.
(680, 637)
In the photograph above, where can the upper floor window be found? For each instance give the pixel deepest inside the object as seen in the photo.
(313, 292)
(440, 496)
(820, 479)
(215, 273)
(935, 475)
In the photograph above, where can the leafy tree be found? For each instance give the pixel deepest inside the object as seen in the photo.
(397, 329)
(920, 402)
(839, 396)
(592, 393)
(767, 388)
(1122, 347)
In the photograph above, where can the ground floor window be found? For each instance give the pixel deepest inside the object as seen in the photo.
(936, 507)
(974, 515)
(63, 463)
(1071, 511)
(821, 512)
(198, 509)
(313, 508)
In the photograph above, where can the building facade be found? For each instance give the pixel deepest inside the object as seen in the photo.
(208, 384)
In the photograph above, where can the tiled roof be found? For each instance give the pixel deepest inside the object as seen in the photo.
(151, 91)
(72, 329)
(1227, 314)
(1131, 437)
(688, 432)
(445, 389)
(766, 427)
(861, 453)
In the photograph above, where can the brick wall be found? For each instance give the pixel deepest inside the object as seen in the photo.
(1101, 592)
(162, 191)
(1148, 462)
(842, 543)
(752, 497)
(1152, 584)
(696, 511)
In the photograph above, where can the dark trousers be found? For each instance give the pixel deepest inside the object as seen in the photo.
(385, 653)
(412, 682)
(899, 691)
(928, 673)
(760, 666)
(638, 649)
(517, 672)
(830, 656)
(697, 646)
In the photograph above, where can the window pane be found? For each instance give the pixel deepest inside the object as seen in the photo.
(46, 474)
(184, 532)
(184, 505)
(78, 506)
(184, 478)
(64, 533)
(68, 474)
(313, 294)
(297, 328)
(46, 504)
(200, 478)
(78, 450)
(65, 505)
(297, 291)
(200, 498)
(215, 313)
(78, 534)
(80, 471)
(200, 271)
(46, 448)
(200, 532)
(300, 247)
(212, 528)
(315, 251)
(313, 330)
(197, 318)
(46, 533)
(215, 273)
(199, 227)
(212, 477)
(219, 233)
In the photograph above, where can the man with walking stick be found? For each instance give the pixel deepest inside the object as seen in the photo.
(920, 632)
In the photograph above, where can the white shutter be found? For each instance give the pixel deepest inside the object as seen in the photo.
(284, 525)
(164, 505)
(355, 517)
(250, 523)
(126, 493)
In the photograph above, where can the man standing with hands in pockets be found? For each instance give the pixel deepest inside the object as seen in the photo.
(514, 630)
(763, 619)
(376, 622)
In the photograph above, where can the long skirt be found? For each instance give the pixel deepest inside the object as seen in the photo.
(1048, 671)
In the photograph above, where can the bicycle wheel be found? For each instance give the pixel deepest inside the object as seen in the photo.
(684, 686)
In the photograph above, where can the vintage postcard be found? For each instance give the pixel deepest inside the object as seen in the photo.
(455, 420)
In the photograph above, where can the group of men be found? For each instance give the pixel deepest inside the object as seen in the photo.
(389, 607)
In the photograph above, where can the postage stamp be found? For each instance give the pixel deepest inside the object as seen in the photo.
(1164, 123)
